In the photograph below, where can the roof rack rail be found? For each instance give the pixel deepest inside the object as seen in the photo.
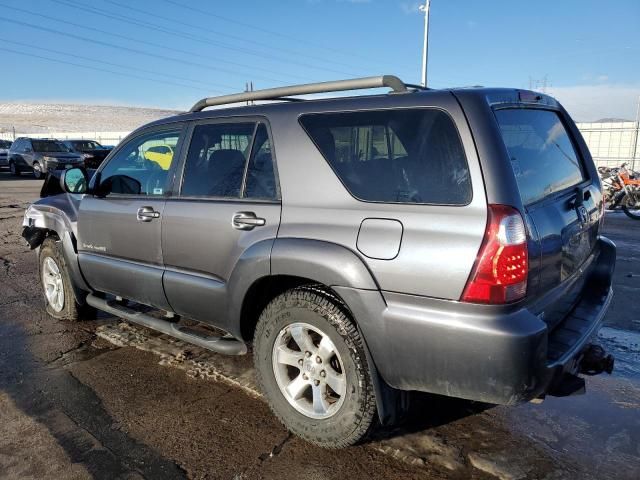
(391, 81)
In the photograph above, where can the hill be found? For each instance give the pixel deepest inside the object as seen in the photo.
(41, 118)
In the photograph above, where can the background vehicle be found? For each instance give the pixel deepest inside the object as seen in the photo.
(4, 150)
(161, 154)
(622, 189)
(92, 152)
(40, 156)
(444, 241)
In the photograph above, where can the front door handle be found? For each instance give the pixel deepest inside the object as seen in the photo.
(146, 214)
(247, 221)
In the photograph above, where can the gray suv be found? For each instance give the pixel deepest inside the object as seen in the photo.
(41, 156)
(444, 241)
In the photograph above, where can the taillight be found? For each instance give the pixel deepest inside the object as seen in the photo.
(500, 272)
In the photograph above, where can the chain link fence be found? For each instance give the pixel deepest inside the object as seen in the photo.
(613, 143)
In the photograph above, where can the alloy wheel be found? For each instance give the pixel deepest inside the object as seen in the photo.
(53, 284)
(37, 170)
(309, 371)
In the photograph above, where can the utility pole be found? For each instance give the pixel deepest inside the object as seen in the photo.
(634, 147)
(425, 47)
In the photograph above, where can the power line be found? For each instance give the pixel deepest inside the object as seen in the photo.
(225, 34)
(131, 39)
(195, 38)
(270, 32)
(105, 70)
(104, 62)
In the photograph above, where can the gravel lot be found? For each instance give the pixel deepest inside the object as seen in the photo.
(102, 399)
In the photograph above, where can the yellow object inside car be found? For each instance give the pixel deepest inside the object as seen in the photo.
(161, 154)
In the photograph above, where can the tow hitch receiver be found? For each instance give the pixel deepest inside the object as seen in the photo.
(596, 360)
(592, 361)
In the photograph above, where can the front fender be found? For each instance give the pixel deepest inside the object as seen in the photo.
(57, 215)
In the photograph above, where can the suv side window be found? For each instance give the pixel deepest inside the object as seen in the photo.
(216, 160)
(136, 169)
(394, 156)
(261, 180)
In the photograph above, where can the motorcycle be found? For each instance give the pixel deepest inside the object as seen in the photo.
(621, 189)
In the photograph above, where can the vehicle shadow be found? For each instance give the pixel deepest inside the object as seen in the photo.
(7, 176)
(71, 411)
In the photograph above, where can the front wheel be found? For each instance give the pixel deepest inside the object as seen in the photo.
(631, 205)
(37, 171)
(311, 365)
(60, 298)
(13, 168)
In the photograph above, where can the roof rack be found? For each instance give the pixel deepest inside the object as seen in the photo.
(391, 81)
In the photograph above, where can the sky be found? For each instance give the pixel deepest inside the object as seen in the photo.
(169, 53)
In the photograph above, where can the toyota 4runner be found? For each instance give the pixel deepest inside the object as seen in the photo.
(444, 241)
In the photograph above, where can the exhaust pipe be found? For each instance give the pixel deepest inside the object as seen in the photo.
(596, 360)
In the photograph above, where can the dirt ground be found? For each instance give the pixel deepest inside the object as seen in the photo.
(101, 399)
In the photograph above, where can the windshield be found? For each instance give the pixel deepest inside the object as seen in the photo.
(87, 145)
(541, 152)
(48, 146)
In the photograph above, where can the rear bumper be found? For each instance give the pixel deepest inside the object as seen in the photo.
(491, 354)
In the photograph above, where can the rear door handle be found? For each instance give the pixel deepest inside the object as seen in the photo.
(247, 221)
(146, 214)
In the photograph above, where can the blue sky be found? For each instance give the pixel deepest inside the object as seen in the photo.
(167, 53)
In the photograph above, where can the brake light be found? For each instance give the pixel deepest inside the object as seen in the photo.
(500, 272)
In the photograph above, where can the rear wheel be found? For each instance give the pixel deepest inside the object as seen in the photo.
(311, 366)
(13, 168)
(61, 301)
(37, 170)
(631, 204)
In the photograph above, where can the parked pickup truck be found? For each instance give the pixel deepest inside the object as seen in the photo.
(445, 241)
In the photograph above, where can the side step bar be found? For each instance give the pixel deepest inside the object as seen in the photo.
(227, 346)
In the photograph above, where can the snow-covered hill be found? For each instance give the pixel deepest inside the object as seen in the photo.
(35, 118)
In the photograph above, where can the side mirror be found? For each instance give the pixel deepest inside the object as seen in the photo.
(74, 180)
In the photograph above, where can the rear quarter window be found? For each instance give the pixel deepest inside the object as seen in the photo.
(542, 154)
(394, 156)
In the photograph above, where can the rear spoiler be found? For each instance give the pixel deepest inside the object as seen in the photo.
(523, 97)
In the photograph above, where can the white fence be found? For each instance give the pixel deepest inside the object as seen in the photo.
(104, 138)
(613, 143)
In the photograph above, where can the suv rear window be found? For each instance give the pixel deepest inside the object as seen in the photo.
(394, 156)
(542, 155)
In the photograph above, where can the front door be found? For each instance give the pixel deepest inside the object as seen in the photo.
(119, 228)
(227, 213)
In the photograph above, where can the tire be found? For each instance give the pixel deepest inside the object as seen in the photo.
(14, 169)
(37, 171)
(344, 415)
(54, 275)
(631, 209)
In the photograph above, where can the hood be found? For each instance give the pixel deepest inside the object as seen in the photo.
(98, 152)
(61, 155)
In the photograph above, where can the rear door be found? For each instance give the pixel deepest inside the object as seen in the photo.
(119, 230)
(227, 213)
(561, 199)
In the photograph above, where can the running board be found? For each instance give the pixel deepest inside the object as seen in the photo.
(225, 345)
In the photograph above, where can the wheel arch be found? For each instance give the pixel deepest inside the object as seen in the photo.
(391, 404)
(45, 222)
